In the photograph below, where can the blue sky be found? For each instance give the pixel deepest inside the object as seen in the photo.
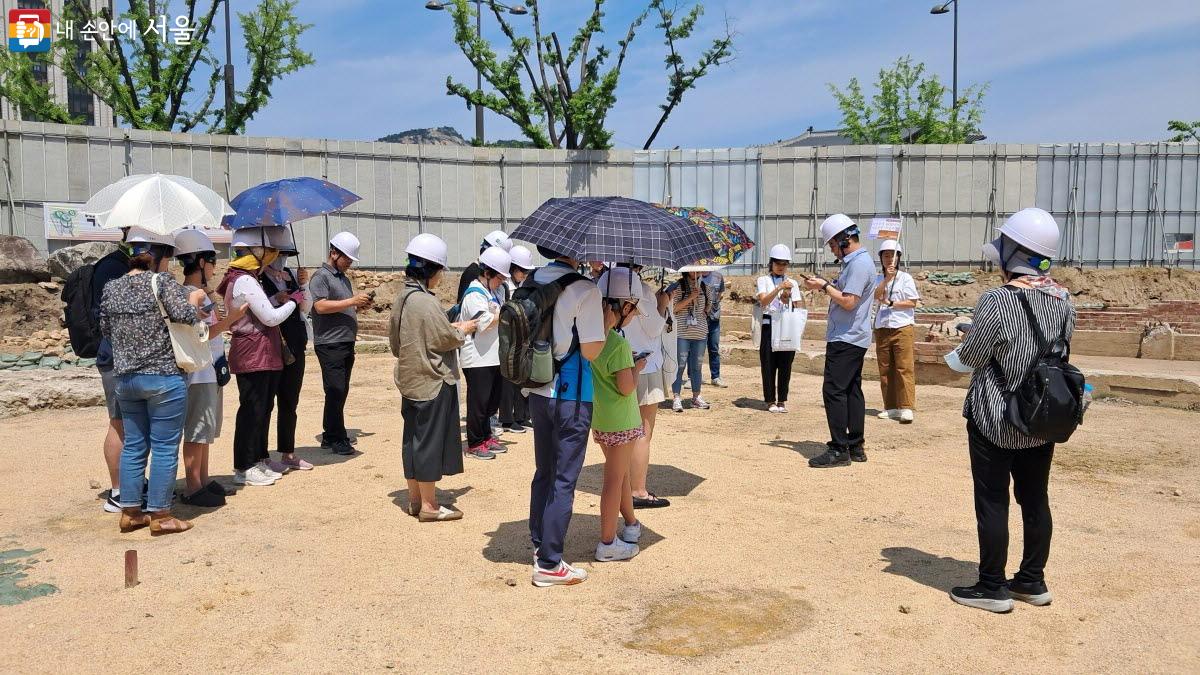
(1058, 71)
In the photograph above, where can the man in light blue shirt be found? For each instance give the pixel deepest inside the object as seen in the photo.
(848, 334)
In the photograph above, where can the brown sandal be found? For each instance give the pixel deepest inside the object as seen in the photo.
(162, 522)
(133, 519)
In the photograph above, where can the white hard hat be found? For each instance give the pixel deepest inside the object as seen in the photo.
(618, 283)
(346, 243)
(192, 241)
(890, 245)
(140, 235)
(249, 237)
(498, 238)
(1034, 229)
(781, 252)
(281, 238)
(428, 247)
(522, 257)
(496, 259)
(835, 225)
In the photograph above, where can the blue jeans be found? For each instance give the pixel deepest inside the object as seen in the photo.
(560, 439)
(689, 357)
(714, 345)
(152, 408)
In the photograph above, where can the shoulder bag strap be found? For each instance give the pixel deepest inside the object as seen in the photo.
(157, 300)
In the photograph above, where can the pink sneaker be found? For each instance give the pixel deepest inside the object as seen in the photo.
(495, 446)
(297, 464)
(278, 467)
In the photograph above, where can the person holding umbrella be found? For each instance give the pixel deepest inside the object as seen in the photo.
(281, 284)
(568, 230)
(150, 386)
(255, 354)
(335, 329)
(277, 204)
(691, 306)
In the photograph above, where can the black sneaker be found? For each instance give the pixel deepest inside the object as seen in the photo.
(1033, 592)
(218, 489)
(515, 428)
(203, 497)
(830, 458)
(981, 597)
(328, 444)
(858, 454)
(342, 448)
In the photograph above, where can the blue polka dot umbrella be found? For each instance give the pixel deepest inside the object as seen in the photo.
(281, 202)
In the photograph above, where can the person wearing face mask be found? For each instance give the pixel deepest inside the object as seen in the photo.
(335, 329)
(281, 284)
(494, 239)
(480, 353)
(691, 307)
(255, 354)
(999, 350)
(897, 297)
(150, 387)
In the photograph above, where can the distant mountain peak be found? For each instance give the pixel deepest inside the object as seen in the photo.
(429, 136)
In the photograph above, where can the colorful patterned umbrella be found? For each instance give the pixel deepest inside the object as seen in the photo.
(281, 202)
(727, 238)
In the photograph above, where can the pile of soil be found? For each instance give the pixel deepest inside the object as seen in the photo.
(28, 308)
(1133, 287)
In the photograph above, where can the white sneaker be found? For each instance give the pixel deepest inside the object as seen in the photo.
(617, 550)
(719, 382)
(677, 405)
(774, 408)
(266, 469)
(699, 403)
(562, 575)
(630, 533)
(252, 476)
(781, 408)
(889, 414)
(906, 416)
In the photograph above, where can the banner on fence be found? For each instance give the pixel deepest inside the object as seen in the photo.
(66, 221)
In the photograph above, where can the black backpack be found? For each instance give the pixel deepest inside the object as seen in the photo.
(82, 326)
(1047, 402)
(526, 332)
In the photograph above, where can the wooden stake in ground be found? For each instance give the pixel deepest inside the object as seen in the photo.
(131, 568)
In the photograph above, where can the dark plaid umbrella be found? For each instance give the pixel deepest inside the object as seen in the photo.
(615, 229)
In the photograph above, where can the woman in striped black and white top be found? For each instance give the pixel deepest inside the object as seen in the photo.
(1000, 349)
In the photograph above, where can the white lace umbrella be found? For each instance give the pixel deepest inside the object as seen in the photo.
(158, 202)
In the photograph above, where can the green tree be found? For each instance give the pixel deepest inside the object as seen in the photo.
(909, 108)
(561, 98)
(1184, 131)
(148, 80)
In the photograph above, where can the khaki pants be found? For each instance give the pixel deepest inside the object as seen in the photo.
(897, 368)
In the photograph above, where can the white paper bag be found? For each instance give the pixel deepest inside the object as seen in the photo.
(787, 330)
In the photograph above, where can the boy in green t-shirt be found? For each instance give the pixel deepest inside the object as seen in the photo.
(616, 420)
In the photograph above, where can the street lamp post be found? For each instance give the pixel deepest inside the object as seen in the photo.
(228, 71)
(518, 10)
(942, 9)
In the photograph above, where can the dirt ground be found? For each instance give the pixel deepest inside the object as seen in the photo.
(761, 564)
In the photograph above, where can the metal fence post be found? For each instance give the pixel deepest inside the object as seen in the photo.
(503, 198)
(12, 205)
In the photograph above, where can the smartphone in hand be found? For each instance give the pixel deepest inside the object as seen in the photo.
(479, 314)
(641, 355)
